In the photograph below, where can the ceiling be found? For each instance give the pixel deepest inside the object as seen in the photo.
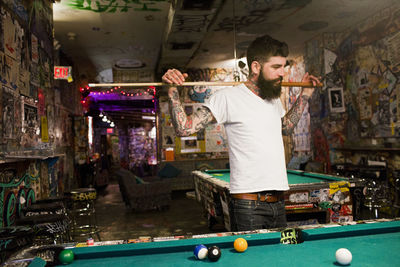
(153, 35)
(106, 37)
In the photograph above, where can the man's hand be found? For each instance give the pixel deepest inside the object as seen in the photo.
(173, 76)
(309, 79)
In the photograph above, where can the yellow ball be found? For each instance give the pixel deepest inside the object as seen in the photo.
(240, 244)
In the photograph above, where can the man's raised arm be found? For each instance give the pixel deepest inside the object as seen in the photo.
(184, 124)
(293, 116)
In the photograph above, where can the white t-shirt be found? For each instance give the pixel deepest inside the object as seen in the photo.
(254, 130)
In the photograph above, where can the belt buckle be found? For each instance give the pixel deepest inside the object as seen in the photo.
(259, 195)
(266, 195)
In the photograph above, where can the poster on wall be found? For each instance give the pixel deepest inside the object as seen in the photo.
(30, 124)
(12, 72)
(30, 116)
(215, 137)
(23, 83)
(34, 49)
(168, 136)
(8, 113)
(336, 100)
(44, 129)
(10, 31)
(365, 103)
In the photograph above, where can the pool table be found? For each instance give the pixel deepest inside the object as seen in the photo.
(324, 198)
(371, 244)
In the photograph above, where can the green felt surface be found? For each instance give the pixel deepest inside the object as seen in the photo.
(375, 244)
(294, 177)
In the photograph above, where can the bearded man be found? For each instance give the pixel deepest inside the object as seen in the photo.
(254, 121)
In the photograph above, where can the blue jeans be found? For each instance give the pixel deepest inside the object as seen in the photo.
(249, 215)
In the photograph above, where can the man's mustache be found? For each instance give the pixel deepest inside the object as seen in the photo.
(277, 81)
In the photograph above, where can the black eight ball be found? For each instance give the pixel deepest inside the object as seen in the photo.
(214, 253)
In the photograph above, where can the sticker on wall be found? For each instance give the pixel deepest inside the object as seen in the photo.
(336, 99)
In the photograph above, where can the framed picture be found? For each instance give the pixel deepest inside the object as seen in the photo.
(336, 100)
(189, 144)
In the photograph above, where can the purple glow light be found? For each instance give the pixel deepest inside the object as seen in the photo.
(116, 96)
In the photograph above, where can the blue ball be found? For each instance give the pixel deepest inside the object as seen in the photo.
(200, 252)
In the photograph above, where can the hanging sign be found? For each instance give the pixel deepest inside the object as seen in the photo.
(63, 73)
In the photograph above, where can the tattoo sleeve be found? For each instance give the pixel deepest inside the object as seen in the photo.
(184, 124)
(293, 116)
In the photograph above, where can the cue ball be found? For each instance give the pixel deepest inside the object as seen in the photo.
(240, 244)
(214, 253)
(343, 256)
(66, 256)
(200, 252)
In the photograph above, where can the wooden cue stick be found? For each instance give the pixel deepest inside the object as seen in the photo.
(286, 84)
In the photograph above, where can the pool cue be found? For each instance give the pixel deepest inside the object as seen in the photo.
(156, 84)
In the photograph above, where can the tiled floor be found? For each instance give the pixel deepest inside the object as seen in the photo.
(184, 217)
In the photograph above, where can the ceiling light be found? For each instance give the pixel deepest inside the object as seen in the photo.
(149, 118)
(71, 36)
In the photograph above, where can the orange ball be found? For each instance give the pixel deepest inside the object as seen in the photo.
(240, 244)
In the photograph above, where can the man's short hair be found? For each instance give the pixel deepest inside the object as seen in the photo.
(264, 47)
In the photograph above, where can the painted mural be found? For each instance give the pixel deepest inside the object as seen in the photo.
(16, 191)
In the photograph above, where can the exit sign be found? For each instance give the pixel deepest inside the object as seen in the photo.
(61, 72)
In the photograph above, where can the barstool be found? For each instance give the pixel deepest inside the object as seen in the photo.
(44, 208)
(49, 228)
(14, 238)
(82, 212)
(50, 215)
(376, 197)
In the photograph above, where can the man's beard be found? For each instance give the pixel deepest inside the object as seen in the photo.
(269, 89)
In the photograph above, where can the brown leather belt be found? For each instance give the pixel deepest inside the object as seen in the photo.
(267, 197)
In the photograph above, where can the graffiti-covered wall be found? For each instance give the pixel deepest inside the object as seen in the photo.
(36, 151)
(359, 103)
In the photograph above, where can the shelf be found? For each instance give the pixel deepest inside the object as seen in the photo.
(9, 158)
(377, 149)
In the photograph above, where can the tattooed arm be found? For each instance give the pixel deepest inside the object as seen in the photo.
(293, 116)
(184, 124)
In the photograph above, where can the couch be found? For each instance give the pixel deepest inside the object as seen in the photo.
(143, 194)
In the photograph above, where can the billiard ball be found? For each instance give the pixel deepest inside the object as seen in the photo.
(66, 256)
(240, 244)
(214, 253)
(200, 252)
(343, 256)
